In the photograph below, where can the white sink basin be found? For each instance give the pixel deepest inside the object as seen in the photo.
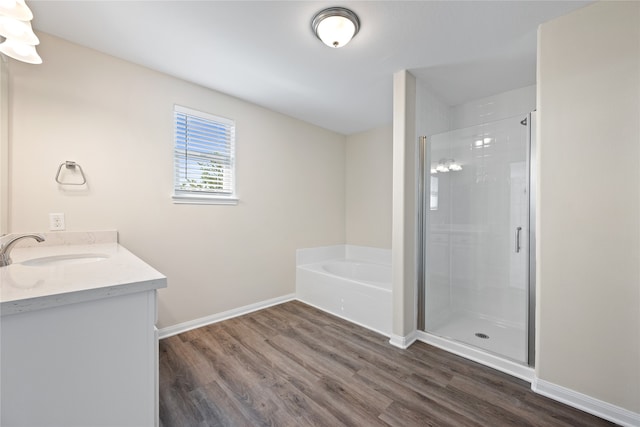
(68, 259)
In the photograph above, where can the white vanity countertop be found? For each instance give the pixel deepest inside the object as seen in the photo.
(25, 287)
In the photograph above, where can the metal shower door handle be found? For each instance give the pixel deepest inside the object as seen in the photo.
(518, 239)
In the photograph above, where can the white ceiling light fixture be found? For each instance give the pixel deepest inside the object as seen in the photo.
(15, 28)
(16, 9)
(335, 26)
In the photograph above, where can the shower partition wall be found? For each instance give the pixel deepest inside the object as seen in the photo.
(475, 232)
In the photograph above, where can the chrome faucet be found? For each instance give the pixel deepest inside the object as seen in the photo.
(5, 248)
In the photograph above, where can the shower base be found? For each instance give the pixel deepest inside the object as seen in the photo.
(504, 341)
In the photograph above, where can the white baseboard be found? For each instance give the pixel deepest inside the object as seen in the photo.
(586, 403)
(403, 342)
(218, 317)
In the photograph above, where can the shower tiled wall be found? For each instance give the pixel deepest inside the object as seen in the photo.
(495, 107)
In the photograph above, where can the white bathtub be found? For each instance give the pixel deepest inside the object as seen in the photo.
(357, 290)
(360, 271)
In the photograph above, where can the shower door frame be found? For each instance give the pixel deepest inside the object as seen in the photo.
(422, 200)
(531, 265)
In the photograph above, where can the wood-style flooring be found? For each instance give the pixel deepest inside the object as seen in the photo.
(294, 365)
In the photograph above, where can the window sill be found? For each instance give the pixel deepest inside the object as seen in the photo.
(201, 199)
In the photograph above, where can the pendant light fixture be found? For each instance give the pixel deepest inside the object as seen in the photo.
(15, 28)
(335, 26)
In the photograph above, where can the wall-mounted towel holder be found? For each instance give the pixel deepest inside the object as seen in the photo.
(70, 165)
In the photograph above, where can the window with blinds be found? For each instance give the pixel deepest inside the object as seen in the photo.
(204, 158)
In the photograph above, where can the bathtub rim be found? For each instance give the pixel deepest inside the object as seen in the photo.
(316, 267)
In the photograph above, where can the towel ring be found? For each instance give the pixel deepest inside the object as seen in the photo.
(70, 165)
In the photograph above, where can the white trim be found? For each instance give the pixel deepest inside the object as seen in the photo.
(203, 199)
(403, 342)
(515, 369)
(218, 317)
(203, 115)
(594, 406)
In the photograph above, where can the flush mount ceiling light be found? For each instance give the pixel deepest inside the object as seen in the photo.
(19, 41)
(335, 26)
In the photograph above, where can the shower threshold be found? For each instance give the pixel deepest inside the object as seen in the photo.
(506, 341)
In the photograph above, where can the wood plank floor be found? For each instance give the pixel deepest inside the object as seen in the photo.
(294, 365)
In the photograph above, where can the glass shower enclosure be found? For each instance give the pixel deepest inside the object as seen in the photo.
(476, 216)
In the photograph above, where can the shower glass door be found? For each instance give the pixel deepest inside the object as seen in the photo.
(476, 218)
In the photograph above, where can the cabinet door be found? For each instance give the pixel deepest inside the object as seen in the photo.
(91, 363)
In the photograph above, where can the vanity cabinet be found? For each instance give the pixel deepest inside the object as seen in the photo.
(84, 364)
(78, 342)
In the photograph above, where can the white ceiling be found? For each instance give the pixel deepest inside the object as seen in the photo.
(265, 52)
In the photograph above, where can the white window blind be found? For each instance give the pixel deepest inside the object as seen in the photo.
(204, 156)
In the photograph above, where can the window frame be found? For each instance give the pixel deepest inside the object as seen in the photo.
(203, 197)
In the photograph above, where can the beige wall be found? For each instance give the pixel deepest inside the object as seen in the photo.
(4, 146)
(115, 119)
(368, 188)
(404, 216)
(588, 331)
